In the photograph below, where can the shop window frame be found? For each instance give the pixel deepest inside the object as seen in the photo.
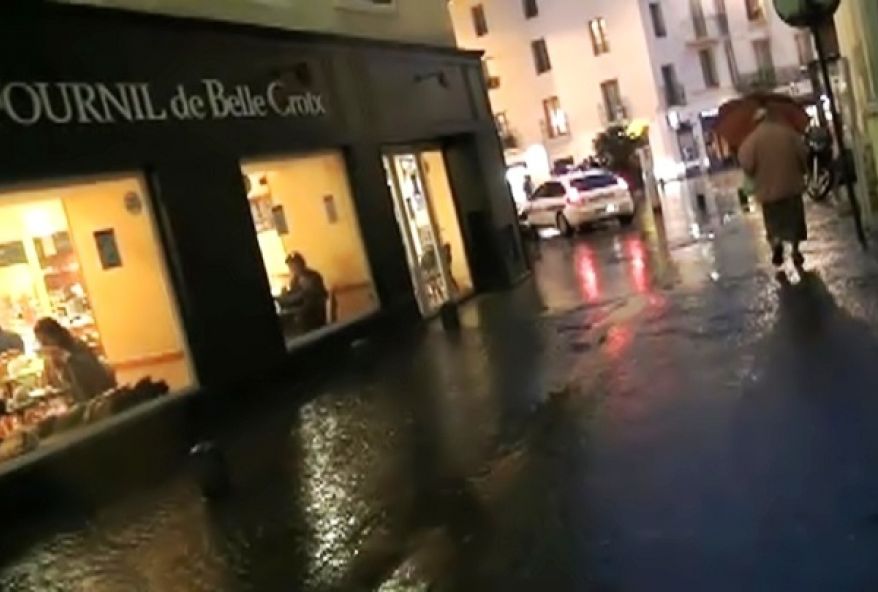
(332, 329)
(171, 272)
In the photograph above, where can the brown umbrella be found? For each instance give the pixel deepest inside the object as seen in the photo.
(737, 118)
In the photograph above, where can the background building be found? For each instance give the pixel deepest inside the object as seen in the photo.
(424, 21)
(560, 71)
(705, 52)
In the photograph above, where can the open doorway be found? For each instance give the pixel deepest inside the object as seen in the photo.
(427, 217)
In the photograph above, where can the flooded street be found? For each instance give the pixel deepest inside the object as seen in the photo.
(651, 411)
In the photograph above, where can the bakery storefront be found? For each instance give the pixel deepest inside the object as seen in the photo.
(186, 204)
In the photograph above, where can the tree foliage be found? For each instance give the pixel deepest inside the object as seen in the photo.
(616, 150)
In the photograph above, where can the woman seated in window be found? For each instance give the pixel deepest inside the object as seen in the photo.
(71, 364)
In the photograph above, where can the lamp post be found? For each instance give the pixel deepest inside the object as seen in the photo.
(814, 14)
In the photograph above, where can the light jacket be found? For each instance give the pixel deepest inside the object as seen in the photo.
(775, 157)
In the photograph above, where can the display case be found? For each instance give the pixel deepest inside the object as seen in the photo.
(64, 287)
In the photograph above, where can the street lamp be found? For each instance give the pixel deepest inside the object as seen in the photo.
(805, 13)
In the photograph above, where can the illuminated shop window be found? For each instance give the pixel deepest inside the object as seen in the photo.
(310, 241)
(89, 324)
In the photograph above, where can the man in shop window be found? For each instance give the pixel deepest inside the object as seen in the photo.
(305, 299)
(10, 342)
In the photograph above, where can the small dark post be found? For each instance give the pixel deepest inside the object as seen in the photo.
(448, 313)
(211, 470)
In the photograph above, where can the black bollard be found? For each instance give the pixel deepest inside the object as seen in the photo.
(211, 470)
(450, 317)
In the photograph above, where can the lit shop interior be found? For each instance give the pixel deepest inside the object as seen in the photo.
(312, 247)
(85, 256)
(302, 206)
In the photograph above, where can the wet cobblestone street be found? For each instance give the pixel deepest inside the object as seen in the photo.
(658, 413)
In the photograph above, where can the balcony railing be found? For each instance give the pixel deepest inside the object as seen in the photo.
(700, 31)
(767, 79)
(674, 95)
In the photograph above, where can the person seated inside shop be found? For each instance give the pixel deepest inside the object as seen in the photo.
(303, 303)
(10, 342)
(70, 363)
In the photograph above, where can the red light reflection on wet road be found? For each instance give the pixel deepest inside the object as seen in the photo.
(587, 273)
(636, 255)
(619, 338)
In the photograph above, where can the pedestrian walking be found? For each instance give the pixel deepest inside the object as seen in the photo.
(774, 157)
(528, 187)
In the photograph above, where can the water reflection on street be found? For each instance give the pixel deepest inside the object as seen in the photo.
(653, 411)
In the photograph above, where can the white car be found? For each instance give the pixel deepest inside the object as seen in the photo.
(572, 201)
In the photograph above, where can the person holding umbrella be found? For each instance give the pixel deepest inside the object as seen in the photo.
(768, 129)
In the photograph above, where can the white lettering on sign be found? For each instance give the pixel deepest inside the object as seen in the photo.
(61, 103)
(294, 105)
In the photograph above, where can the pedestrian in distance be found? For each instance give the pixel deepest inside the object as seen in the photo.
(775, 158)
(528, 187)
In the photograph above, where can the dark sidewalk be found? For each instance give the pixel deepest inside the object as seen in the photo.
(639, 416)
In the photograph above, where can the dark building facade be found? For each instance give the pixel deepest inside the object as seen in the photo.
(163, 172)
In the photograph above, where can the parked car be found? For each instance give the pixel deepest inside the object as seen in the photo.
(570, 202)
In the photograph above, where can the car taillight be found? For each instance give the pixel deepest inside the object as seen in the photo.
(574, 197)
